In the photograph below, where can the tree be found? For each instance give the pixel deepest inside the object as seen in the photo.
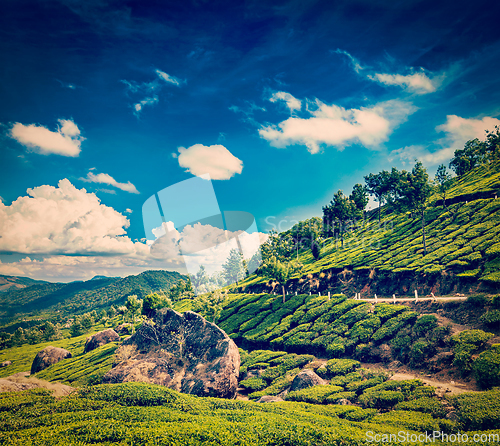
(153, 302)
(76, 328)
(379, 185)
(234, 269)
(492, 144)
(359, 196)
(316, 250)
(464, 160)
(443, 181)
(340, 210)
(413, 192)
(280, 272)
(133, 305)
(210, 305)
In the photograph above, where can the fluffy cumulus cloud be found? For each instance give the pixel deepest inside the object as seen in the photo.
(104, 178)
(65, 141)
(205, 245)
(332, 125)
(63, 220)
(418, 83)
(291, 102)
(215, 160)
(458, 131)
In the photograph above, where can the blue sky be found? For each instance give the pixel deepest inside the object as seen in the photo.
(282, 103)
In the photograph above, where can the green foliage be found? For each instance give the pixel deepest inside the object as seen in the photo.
(393, 325)
(155, 301)
(486, 367)
(424, 404)
(466, 343)
(253, 384)
(403, 420)
(88, 368)
(334, 367)
(210, 305)
(383, 399)
(491, 318)
(313, 395)
(234, 269)
(478, 410)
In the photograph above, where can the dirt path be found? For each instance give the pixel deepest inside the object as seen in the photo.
(22, 381)
(442, 387)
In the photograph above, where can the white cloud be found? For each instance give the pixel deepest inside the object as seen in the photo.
(333, 125)
(64, 219)
(167, 78)
(355, 63)
(65, 141)
(291, 102)
(215, 160)
(128, 211)
(104, 178)
(458, 131)
(418, 83)
(146, 101)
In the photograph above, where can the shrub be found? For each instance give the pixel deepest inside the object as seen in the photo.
(392, 326)
(383, 399)
(478, 410)
(334, 367)
(466, 343)
(486, 367)
(477, 300)
(424, 404)
(403, 419)
(253, 384)
(314, 395)
(424, 325)
(491, 318)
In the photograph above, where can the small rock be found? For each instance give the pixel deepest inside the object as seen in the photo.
(452, 416)
(6, 364)
(99, 339)
(47, 357)
(306, 378)
(343, 402)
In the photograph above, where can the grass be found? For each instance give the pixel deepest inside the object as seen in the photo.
(138, 413)
(84, 369)
(22, 357)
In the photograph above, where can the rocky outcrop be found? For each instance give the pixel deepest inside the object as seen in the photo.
(48, 356)
(306, 378)
(180, 351)
(124, 329)
(6, 364)
(101, 338)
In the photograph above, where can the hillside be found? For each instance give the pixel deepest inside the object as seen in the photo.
(8, 283)
(463, 248)
(80, 297)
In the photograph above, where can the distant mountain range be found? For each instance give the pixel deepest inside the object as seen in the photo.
(21, 295)
(12, 282)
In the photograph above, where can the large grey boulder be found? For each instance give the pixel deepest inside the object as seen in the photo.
(102, 338)
(306, 378)
(47, 357)
(181, 351)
